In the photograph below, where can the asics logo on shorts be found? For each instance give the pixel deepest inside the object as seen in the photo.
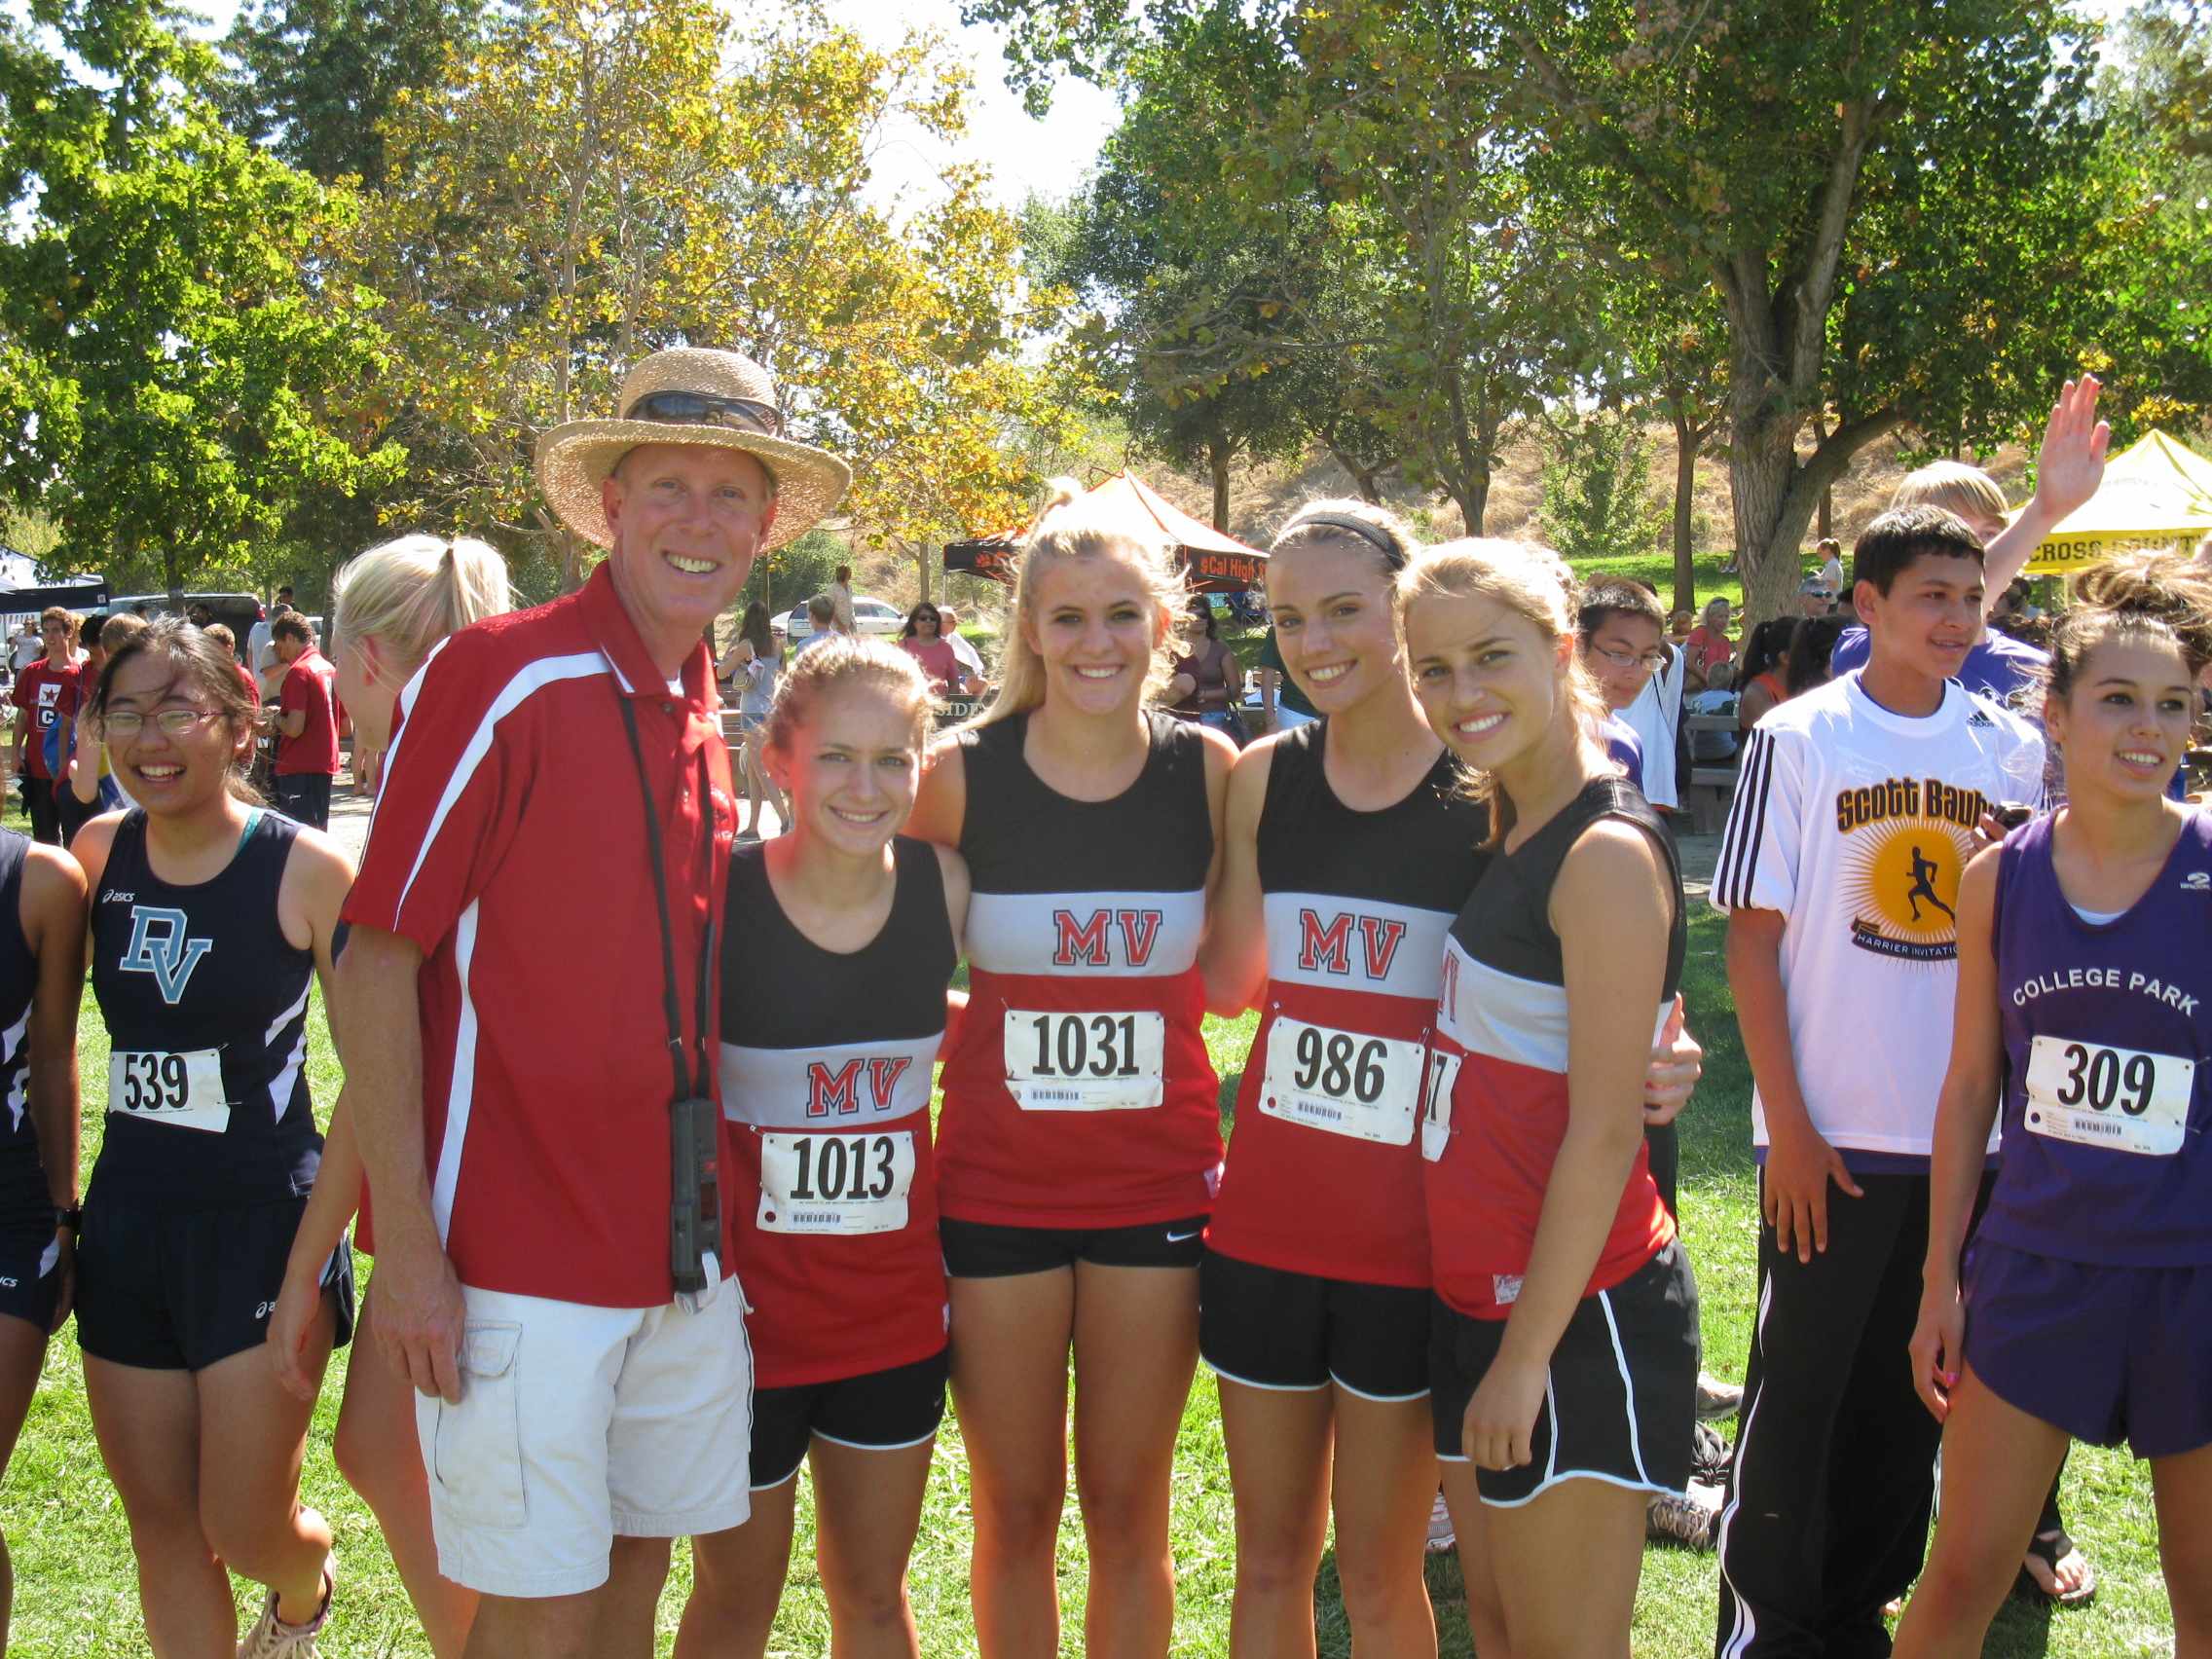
(158, 947)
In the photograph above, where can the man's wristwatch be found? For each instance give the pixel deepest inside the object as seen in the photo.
(71, 1216)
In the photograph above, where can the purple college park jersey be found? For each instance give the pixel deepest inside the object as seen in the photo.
(2107, 1153)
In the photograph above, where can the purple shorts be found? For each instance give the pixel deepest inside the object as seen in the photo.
(2107, 1353)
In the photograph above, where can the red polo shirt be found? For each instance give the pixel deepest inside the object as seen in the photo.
(510, 844)
(310, 686)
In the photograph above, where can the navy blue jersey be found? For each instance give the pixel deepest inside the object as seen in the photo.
(2108, 1054)
(205, 1004)
(21, 1184)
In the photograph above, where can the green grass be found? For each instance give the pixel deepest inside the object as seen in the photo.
(75, 1593)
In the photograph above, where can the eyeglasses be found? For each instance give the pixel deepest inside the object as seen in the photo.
(128, 723)
(705, 409)
(1652, 662)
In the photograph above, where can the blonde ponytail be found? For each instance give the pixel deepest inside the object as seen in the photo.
(411, 592)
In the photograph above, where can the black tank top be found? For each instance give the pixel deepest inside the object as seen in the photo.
(1420, 852)
(22, 1185)
(781, 990)
(1021, 835)
(205, 1004)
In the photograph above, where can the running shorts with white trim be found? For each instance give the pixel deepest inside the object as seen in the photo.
(180, 1289)
(2104, 1353)
(578, 1423)
(1272, 1329)
(881, 1411)
(30, 1255)
(1621, 1395)
(982, 1249)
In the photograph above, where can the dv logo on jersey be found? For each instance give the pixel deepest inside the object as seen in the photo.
(1329, 949)
(839, 1092)
(158, 947)
(1090, 944)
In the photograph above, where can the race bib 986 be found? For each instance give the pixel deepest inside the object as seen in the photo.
(2094, 1095)
(1085, 1062)
(836, 1184)
(1367, 1087)
(183, 1090)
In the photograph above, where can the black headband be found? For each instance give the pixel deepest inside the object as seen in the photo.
(1393, 554)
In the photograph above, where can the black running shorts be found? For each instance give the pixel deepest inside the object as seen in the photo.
(180, 1289)
(880, 1411)
(1273, 1329)
(1623, 1387)
(977, 1249)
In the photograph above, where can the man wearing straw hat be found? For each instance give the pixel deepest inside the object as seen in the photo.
(528, 1021)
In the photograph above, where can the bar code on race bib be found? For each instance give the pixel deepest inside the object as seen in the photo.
(1342, 1083)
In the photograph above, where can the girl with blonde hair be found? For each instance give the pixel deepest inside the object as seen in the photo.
(1564, 1343)
(391, 606)
(1080, 1143)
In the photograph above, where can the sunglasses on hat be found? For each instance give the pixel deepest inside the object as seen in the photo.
(705, 409)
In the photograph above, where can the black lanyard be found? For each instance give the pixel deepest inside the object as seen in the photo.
(684, 1086)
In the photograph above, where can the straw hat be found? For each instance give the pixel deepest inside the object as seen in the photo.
(723, 399)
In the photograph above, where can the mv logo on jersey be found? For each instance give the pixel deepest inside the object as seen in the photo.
(158, 947)
(1327, 948)
(838, 1091)
(1089, 943)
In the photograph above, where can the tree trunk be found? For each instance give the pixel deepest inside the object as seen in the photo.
(1776, 495)
(172, 568)
(1366, 480)
(1217, 457)
(922, 570)
(1687, 438)
(1825, 518)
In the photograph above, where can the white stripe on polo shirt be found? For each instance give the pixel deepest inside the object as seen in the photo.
(545, 672)
(460, 1092)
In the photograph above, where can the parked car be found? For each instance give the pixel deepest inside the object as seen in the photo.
(236, 611)
(869, 617)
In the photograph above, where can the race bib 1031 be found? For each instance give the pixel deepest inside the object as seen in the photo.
(1085, 1062)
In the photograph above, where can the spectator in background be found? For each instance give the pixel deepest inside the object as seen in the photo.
(1679, 627)
(1829, 552)
(2069, 467)
(841, 599)
(1812, 646)
(1283, 705)
(822, 617)
(46, 697)
(1718, 697)
(924, 640)
(1708, 643)
(1815, 598)
(27, 647)
(752, 665)
(1208, 681)
(268, 668)
(970, 658)
(1617, 624)
(257, 637)
(307, 725)
(1656, 716)
(86, 786)
(229, 641)
(1766, 659)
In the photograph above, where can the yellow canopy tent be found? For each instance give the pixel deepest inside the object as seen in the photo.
(2155, 494)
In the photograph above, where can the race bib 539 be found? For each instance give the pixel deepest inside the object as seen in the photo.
(183, 1090)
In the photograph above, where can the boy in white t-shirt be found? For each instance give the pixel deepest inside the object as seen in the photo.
(1856, 810)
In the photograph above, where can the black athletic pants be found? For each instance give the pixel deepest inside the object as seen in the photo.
(38, 802)
(1834, 1477)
